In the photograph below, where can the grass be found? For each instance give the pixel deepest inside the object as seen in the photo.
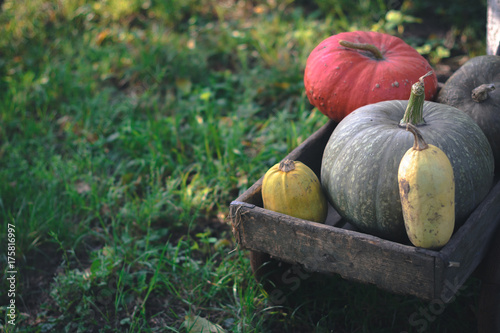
(127, 127)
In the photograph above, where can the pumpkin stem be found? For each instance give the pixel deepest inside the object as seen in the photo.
(414, 110)
(480, 94)
(365, 47)
(419, 143)
(287, 165)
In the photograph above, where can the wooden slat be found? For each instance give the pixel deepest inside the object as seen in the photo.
(488, 314)
(326, 249)
(452, 265)
(472, 240)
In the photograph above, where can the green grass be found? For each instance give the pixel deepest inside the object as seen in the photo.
(126, 129)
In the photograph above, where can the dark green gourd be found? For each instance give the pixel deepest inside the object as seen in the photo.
(475, 89)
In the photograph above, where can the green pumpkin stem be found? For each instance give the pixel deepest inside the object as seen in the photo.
(480, 94)
(286, 165)
(414, 111)
(364, 47)
(419, 143)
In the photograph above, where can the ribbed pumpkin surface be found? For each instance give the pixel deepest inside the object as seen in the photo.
(360, 163)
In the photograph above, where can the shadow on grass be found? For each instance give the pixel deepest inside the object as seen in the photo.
(321, 303)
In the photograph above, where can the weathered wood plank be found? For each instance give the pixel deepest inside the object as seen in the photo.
(471, 242)
(488, 315)
(326, 249)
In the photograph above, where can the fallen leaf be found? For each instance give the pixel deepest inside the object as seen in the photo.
(184, 85)
(91, 137)
(205, 96)
(82, 187)
(101, 36)
(282, 85)
(197, 324)
(64, 122)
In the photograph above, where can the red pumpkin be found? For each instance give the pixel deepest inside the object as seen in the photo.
(353, 69)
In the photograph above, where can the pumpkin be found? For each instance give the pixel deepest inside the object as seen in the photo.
(352, 69)
(361, 159)
(427, 192)
(292, 188)
(472, 89)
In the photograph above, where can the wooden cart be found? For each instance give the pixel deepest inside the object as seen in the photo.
(338, 248)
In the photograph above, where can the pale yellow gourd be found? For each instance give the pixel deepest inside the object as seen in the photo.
(292, 188)
(427, 192)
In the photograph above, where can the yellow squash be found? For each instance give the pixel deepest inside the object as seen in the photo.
(292, 188)
(427, 192)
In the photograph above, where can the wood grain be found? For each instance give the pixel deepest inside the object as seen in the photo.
(327, 249)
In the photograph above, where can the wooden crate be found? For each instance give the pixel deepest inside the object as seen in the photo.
(337, 248)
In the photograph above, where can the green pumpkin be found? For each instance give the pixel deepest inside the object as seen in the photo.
(359, 170)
